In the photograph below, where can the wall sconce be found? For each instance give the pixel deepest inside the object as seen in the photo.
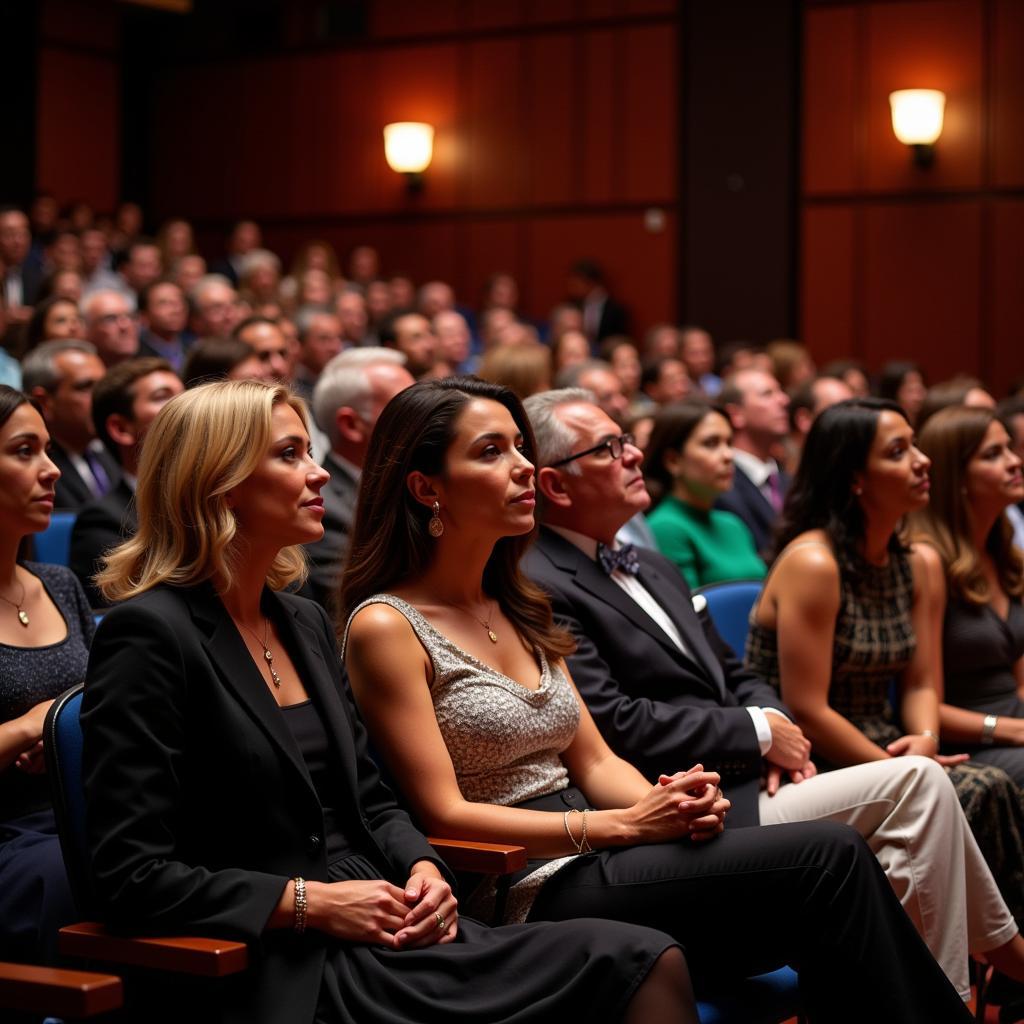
(917, 121)
(408, 147)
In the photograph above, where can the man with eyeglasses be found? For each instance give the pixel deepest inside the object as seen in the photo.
(666, 691)
(111, 326)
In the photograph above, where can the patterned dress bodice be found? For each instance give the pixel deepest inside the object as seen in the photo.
(874, 642)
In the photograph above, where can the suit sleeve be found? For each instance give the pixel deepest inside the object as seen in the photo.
(136, 734)
(92, 535)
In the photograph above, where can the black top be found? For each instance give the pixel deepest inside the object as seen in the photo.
(30, 675)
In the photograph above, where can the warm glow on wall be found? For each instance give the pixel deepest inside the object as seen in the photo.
(408, 146)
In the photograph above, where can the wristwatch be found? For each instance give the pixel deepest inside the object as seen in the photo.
(988, 730)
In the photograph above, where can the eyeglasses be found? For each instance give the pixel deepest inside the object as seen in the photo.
(614, 446)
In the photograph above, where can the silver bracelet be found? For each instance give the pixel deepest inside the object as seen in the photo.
(299, 924)
(932, 735)
(988, 730)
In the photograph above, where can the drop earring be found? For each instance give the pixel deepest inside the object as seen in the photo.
(435, 526)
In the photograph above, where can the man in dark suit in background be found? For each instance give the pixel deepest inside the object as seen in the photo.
(124, 403)
(60, 376)
(21, 276)
(347, 400)
(759, 410)
(666, 691)
(602, 315)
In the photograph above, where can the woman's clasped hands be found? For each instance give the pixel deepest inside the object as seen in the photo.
(425, 912)
(686, 803)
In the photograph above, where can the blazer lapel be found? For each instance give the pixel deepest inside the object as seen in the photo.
(241, 675)
(670, 599)
(307, 652)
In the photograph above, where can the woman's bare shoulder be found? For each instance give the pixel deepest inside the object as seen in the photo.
(809, 559)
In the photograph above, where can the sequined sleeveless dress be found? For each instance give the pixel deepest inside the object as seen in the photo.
(874, 643)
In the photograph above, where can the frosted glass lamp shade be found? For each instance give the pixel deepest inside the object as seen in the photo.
(917, 115)
(408, 146)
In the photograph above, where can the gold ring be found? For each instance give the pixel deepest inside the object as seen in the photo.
(442, 924)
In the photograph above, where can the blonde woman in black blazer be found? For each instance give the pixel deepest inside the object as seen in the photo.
(227, 782)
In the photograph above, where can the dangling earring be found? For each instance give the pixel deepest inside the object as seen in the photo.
(435, 526)
(858, 490)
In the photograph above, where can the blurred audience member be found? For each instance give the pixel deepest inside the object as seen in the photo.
(141, 266)
(97, 272)
(319, 342)
(124, 403)
(852, 373)
(621, 354)
(175, 241)
(188, 272)
(163, 315)
(403, 292)
(564, 317)
(216, 310)
(742, 355)
(664, 380)
(64, 252)
(64, 284)
(350, 395)
(363, 265)
(111, 326)
(378, 305)
(525, 369)
(492, 323)
(454, 342)
(410, 332)
(959, 390)
(21, 278)
(53, 319)
(224, 359)
(759, 411)
(697, 351)
(902, 382)
(259, 277)
(501, 292)
(806, 402)
(568, 349)
(60, 376)
(597, 377)
(792, 364)
(270, 345)
(126, 227)
(245, 236)
(435, 297)
(351, 308)
(661, 342)
(602, 315)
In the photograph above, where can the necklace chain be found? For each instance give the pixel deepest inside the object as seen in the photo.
(267, 655)
(491, 635)
(22, 614)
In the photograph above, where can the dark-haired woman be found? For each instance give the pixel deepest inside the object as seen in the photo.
(844, 617)
(976, 581)
(45, 631)
(461, 676)
(227, 782)
(687, 465)
(902, 382)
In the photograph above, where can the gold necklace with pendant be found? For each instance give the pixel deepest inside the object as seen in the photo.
(268, 656)
(491, 635)
(22, 614)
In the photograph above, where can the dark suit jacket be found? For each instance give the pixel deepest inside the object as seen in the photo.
(327, 555)
(657, 708)
(200, 806)
(72, 491)
(99, 526)
(746, 501)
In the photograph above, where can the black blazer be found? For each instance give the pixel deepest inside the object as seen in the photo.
(100, 526)
(72, 491)
(746, 501)
(657, 708)
(327, 556)
(199, 803)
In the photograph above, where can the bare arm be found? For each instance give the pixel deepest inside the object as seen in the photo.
(805, 589)
(388, 670)
(22, 733)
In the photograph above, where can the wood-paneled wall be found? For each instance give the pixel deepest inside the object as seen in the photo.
(896, 260)
(556, 130)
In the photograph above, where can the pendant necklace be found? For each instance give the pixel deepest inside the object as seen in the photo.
(491, 635)
(267, 655)
(22, 614)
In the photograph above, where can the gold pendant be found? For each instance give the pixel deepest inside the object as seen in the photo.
(493, 636)
(23, 618)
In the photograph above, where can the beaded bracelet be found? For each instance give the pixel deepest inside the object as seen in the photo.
(299, 924)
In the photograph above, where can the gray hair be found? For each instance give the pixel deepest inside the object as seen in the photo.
(345, 381)
(89, 302)
(259, 258)
(553, 438)
(571, 375)
(203, 285)
(39, 369)
(305, 315)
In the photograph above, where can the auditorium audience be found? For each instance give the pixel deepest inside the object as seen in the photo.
(45, 632)
(140, 267)
(806, 403)
(55, 319)
(902, 382)
(693, 699)
(792, 364)
(60, 376)
(843, 628)
(224, 359)
(216, 309)
(96, 266)
(111, 326)
(523, 369)
(975, 581)
(259, 278)
(350, 306)
(664, 379)
(460, 674)
(219, 836)
(125, 402)
(697, 352)
(688, 464)
(621, 354)
(958, 390)
(163, 315)
(175, 241)
(597, 377)
(454, 342)
(603, 315)
(245, 236)
(21, 276)
(852, 373)
(411, 334)
(320, 340)
(268, 341)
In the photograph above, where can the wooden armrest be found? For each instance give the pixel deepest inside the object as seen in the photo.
(61, 993)
(186, 954)
(480, 858)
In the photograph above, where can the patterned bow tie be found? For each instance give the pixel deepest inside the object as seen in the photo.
(624, 558)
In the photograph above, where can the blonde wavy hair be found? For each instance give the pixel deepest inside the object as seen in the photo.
(950, 438)
(202, 444)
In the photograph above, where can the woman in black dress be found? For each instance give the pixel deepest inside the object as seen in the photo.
(227, 783)
(976, 579)
(45, 631)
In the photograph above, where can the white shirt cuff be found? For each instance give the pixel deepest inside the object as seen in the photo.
(762, 728)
